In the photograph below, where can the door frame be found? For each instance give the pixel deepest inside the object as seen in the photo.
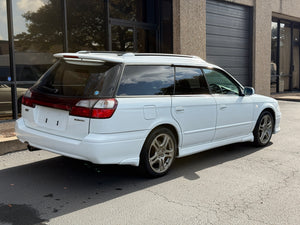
(293, 25)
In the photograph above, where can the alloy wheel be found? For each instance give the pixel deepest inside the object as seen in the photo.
(161, 153)
(265, 129)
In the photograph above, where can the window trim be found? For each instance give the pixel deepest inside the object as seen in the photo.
(225, 73)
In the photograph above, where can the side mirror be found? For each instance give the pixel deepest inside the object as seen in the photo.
(249, 91)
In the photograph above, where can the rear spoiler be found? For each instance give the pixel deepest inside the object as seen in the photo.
(89, 57)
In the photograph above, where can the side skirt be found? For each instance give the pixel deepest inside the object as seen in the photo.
(200, 148)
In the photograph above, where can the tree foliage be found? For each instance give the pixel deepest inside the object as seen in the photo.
(44, 29)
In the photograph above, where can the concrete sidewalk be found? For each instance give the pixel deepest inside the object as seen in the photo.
(288, 96)
(8, 139)
(10, 143)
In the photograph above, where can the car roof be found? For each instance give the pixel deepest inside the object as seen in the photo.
(136, 58)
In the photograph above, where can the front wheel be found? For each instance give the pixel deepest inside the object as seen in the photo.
(158, 152)
(263, 129)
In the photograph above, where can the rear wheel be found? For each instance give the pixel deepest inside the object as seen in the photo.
(263, 129)
(158, 152)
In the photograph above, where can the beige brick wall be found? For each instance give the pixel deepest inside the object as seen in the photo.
(189, 19)
(190, 38)
(262, 20)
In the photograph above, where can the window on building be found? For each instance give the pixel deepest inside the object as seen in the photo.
(141, 25)
(285, 54)
(86, 22)
(296, 58)
(38, 34)
(134, 10)
(122, 38)
(274, 56)
(5, 91)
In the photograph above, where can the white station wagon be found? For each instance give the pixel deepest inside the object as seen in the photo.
(141, 109)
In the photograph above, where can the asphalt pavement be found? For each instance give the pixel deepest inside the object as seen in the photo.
(235, 184)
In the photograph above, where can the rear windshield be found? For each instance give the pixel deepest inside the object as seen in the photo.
(78, 79)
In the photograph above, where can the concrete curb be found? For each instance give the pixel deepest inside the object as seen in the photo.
(288, 99)
(11, 144)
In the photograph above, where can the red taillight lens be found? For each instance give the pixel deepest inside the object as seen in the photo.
(80, 111)
(71, 56)
(101, 109)
(90, 108)
(27, 100)
(102, 113)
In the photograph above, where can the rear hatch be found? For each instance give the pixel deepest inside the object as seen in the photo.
(70, 93)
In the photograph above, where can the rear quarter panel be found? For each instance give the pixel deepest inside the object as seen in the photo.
(136, 114)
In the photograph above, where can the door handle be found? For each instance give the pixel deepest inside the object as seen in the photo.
(179, 109)
(222, 107)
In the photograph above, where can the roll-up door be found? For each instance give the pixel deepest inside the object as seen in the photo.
(228, 38)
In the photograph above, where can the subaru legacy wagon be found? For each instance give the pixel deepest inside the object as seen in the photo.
(141, 109)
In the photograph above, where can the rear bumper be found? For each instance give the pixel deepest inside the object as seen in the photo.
(117, 148)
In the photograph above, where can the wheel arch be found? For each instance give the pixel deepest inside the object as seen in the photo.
(259, 136)
(270, 110)
(172, 128)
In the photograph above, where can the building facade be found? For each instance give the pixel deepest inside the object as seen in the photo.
(257, 41)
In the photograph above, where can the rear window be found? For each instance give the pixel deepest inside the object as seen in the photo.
(78, 79)
(147, 80)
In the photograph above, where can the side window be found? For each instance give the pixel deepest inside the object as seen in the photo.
(190, 81)
(219, 83)
(147, 80)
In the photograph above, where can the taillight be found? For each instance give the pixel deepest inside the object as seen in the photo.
(90, 108)
(26, 100)
(71, 56)
(101, 109)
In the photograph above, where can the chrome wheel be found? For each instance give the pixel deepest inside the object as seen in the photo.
(265, 129)
(161, 153)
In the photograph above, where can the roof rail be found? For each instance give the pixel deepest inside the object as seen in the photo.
(165, 54)
(119, 53)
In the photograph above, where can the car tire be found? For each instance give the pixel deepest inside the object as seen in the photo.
(158, 152)
(263, 129)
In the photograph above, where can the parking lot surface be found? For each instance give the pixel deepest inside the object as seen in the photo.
(235, 184)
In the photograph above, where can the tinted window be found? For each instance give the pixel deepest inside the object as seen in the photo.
(81, 80)
(147, 80)
(190, 81)
(219, 83)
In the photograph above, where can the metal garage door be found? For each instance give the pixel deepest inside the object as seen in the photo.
(228, 38)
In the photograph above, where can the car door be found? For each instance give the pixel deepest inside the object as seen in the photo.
(193, 107)
(234, 111)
